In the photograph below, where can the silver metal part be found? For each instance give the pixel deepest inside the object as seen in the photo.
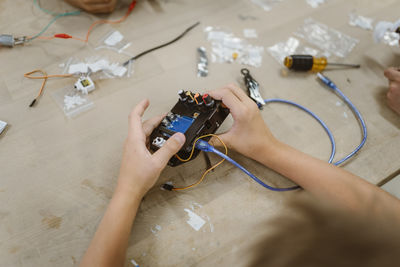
(253, 87)
(3, 126)
(254, 90)
(159, 142)
(202, 64)
(9, 40)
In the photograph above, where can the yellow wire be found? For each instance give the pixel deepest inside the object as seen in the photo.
(208, 170)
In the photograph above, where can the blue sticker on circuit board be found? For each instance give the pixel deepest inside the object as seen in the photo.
(180, 124)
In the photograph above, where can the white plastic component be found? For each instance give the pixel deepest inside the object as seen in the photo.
(3, 125)
(360, 21)
(114, 38)
(385, 32)
(78, 68)
(326, 39)
(85, 85)
(315, 3)
(250, 33)
(159, 142)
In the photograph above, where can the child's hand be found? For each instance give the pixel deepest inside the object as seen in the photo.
(249, 134)
(95, 6)
(393, 95)
(139, 168)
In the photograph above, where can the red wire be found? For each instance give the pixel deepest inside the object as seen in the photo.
(67, 36)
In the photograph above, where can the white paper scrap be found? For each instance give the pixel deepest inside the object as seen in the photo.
(315, 3)
(117, 70)
(3, 125)
(250, 33)
(78, 68)
(114, 38)
(195, 221)
(99, 65)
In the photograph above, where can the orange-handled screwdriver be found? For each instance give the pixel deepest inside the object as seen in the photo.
(310, 63)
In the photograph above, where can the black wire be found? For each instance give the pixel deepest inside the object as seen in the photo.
(163, 45)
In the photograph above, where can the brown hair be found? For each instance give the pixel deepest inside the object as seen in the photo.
(317, 234)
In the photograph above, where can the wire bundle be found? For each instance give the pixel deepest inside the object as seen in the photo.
(74, 13)
(206, 147)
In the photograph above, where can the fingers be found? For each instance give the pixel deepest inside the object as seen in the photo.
(239, 93)
(170, 148)
(135, 118)
(227, 97)
(150, 124)
(393, 74)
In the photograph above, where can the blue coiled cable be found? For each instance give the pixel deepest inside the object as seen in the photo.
(204, 146)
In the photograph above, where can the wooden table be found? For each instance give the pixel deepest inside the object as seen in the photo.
(58, 174)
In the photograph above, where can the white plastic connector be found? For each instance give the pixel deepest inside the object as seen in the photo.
(85, 85)
(159, 142)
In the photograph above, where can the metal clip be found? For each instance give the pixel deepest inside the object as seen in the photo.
(253, 88)
(9, 40)
(202, 70)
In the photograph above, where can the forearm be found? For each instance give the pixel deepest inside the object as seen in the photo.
(324, 180)
(109, 244)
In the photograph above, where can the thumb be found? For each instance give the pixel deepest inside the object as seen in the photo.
(170, 148)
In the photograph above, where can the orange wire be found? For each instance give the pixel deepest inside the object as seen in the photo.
(44, 77)
(132, 5)
(208, 170)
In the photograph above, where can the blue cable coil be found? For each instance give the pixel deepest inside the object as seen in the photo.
(204, 146)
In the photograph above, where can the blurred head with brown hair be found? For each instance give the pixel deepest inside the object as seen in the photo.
(313, 233)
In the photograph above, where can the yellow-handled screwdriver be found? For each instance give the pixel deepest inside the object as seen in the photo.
(310, 63)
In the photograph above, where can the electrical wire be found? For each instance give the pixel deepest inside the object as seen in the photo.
(189, 158)
(68, 36)
(161, 46)
(56, 17)
(357, 113)
(44, 77)
(35, 2)
(206, 147)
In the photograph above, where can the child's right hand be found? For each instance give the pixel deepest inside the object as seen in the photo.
(249, 134)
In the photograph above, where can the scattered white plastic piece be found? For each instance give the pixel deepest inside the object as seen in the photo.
(385, 32)
(3, 125)
(250, 33)
(265, 4)
(345, 114)
(195, 221)
(134, 263)
(360, 21)
(315, 3)
(325, 38)
(114, 38)
(281, 50)
(71, 102)
(117, 70)
(78, 68)
(156, 229)
(98, 65)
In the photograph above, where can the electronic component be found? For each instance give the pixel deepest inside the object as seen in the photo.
(202, 63)
(310, 63)
(194, 115)
(85, 85)
(9, 40)
(3, 126)
(253, 88)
